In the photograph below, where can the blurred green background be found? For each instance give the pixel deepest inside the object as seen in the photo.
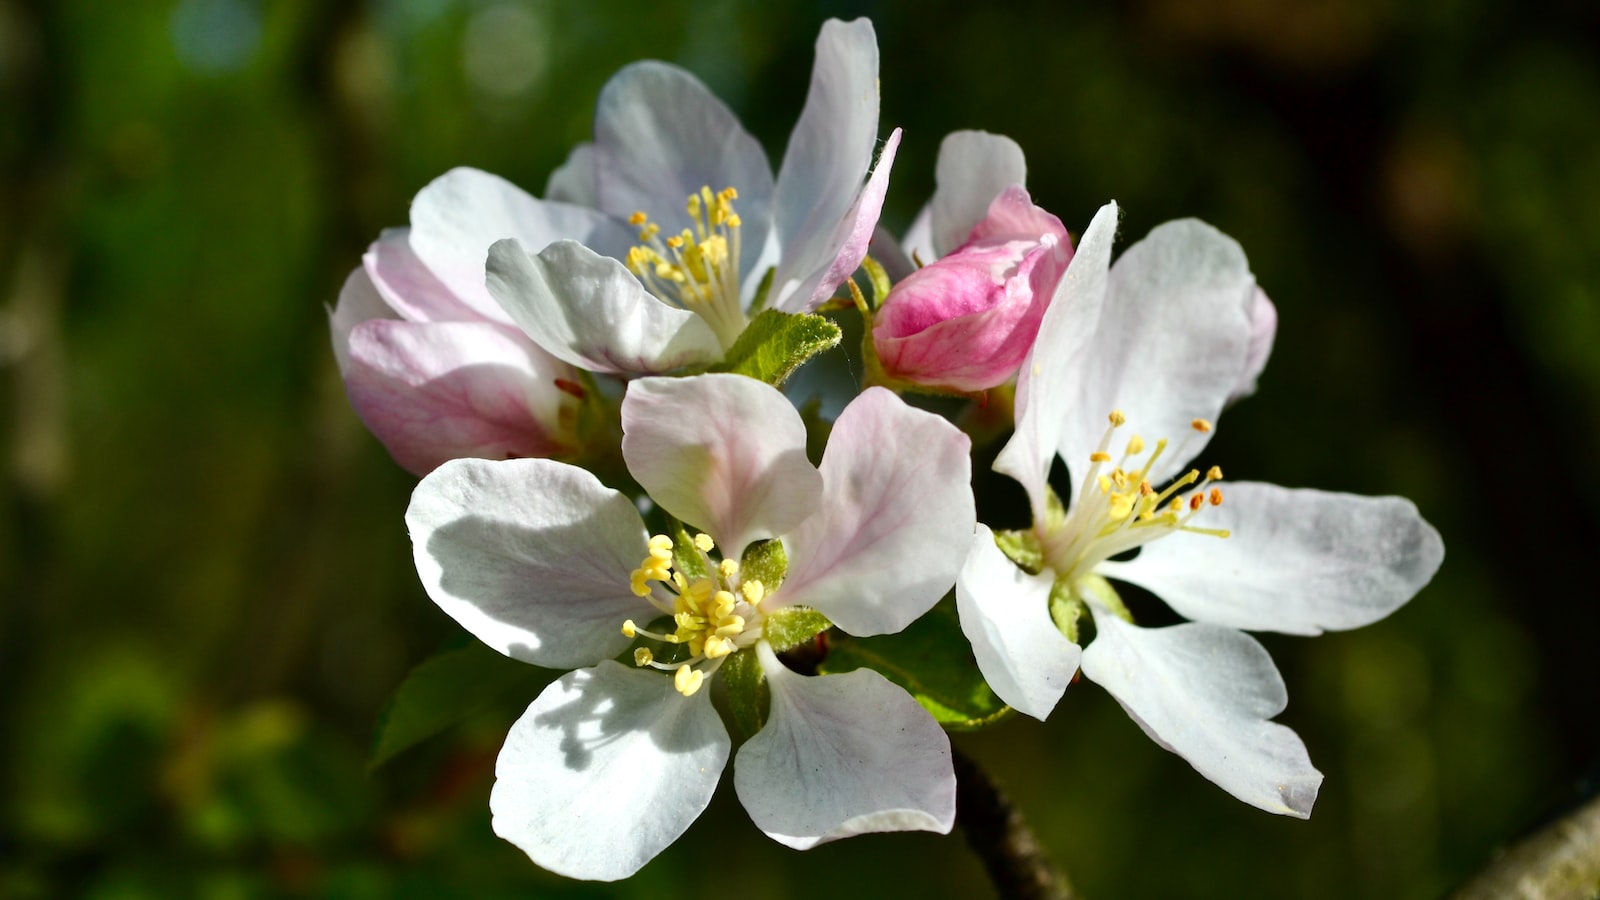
(206, 593)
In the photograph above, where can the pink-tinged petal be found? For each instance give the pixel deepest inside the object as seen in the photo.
(461, 213)
(972, 169)
(359, 301)
(895, 520)
(1005, 613)
(887, 251)
(1047, 381)
(829, 152)
(1170, 347)
(407, 285)
(1206, 693)
(531, 556)
(847, 246)
(607, 768)
(590, 311)
(433, 391)
(842, 755)
(660, 135)
(967, 321)
(1296, 561)
(1263, 329)
(573, 181)
(723, 453)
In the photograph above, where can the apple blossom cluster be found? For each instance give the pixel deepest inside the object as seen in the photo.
(664, 288)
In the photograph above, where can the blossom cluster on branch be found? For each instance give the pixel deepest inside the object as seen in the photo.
(650, 306)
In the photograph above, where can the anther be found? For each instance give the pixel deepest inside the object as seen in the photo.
(643, 657)
(1117, 418)
(1214, 473)
(728, 568)
(1135, 445)
(1196, 500)
(1099, 457)
(1216, 497)
(638, 218)
(629, 629)
(687, 680)
(704, 543)
(1201, 425)
(753, 591)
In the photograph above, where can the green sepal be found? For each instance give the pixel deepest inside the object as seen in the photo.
(792, 626)
(879, 279)
(686, 557)
(763, 289)
(933, 661)
(775, 343)
(745, 693)
(1022, 548)
(1096, 588)
(766, 562)
(1066, 609)
(461, 680)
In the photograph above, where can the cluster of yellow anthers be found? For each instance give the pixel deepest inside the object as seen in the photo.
(698, 266)
(1126, 511)
(713, 615)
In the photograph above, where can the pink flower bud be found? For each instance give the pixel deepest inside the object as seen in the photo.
(965, 322)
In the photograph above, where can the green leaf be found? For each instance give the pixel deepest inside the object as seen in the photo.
(763, 290)
(933, 661)
(775, 343)
(457, 682)
(745, 692)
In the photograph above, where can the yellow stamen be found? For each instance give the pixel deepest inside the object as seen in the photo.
(1201, 425)
(1117, 418)
(688, 680)
(1214, 473)
(1099, 457)
(643, 657)
(704, 543)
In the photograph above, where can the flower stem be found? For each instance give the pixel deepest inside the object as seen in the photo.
(996, 831)
(1560, 860)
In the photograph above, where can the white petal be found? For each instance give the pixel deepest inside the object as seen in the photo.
(843, 755)
(1206, 692)
(724, 453)
(895, 520)
(808, 281)
(829, 150)
(573, 180)
(1005, 613)
(459, 214)
(660, 135)
(918, 241)
(1047, 382)
(408, 285)
(608, 767)
(531, 556)
(359, 301)
(973, 168)
(1297, 561)
(1263, 330)
(434, 391)
(1171, 345)
(590, 311)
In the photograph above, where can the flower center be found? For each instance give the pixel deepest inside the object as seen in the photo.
(698, 268)
(1118, 510)
(713, 614)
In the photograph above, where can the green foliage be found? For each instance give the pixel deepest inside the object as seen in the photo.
(776, 343)
(464, 678)
(933, 661)
(879, 279)
(1022, 547)
(686, 557)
